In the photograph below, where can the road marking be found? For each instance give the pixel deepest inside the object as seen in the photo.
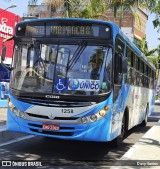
(136, 146)
(17, 140)
(150, 132)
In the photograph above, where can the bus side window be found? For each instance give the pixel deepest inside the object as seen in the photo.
(129, 72)
(118, 69)
(118, 62)
(136, 70)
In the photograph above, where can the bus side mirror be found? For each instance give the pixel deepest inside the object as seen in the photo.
(3, 56)
(124, 65)
(3, 53)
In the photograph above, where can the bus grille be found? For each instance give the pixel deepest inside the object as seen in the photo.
(56, 118)
(50, 103)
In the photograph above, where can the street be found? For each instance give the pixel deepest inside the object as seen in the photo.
(54, 153)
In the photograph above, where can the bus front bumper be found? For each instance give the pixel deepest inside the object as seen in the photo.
(96, 131)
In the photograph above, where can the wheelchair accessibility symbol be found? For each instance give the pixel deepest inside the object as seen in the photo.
(60, 86)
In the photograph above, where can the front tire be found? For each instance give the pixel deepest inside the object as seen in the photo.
(144, 122)
(119, 140)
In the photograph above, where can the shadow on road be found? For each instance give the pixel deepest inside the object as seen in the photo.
(64, 153)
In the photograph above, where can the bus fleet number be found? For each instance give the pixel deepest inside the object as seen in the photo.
(67, 110)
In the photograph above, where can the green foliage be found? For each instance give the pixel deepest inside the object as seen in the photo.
(153, 59)
(122, 5)
(143, 46)
(96, 8)
(156, 10)
(93, 9)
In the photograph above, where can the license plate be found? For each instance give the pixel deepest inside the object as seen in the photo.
(50, 127)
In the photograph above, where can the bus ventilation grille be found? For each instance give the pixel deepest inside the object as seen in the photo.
(56, 118)
(54, 103)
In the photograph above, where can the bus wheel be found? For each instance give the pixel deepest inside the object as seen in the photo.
(144, 122)
(119, 140)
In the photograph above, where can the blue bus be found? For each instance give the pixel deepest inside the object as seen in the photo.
(78, 79)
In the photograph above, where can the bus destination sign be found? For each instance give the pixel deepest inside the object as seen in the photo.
(72, 30)
(60, 29)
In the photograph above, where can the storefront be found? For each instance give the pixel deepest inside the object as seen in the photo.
(8, 21)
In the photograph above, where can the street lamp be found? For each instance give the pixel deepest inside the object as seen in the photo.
(12, 6)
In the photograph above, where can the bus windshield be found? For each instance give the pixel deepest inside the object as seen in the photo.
(74, 69)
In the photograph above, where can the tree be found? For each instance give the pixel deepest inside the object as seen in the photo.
(156, 10)
(143, 46)
(132, 5)
(52, 5)
(158, 59)
(70, 7)
(97, 8)
(94, 9)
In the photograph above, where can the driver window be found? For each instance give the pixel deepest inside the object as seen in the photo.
(108, 67)
(118, 62)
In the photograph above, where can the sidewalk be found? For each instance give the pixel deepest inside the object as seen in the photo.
(145, 153)
(3, 115)
(3, 103)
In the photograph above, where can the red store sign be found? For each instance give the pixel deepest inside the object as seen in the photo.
(8, 20)
(5, 29)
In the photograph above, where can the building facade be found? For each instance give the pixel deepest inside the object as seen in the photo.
(133, 27)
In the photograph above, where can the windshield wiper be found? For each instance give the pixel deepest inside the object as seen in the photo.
(77, 54)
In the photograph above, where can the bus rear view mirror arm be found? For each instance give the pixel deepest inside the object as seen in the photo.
(3, 53)
(3, 56)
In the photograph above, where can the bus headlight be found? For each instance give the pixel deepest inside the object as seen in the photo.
(15, 111)
(94, 117)
(102, 113)
(84, 120)
(22, 115)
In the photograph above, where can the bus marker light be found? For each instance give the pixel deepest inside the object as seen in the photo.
(106, 108)
(8, 99)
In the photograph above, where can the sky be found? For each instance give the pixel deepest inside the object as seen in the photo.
(151, 33)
